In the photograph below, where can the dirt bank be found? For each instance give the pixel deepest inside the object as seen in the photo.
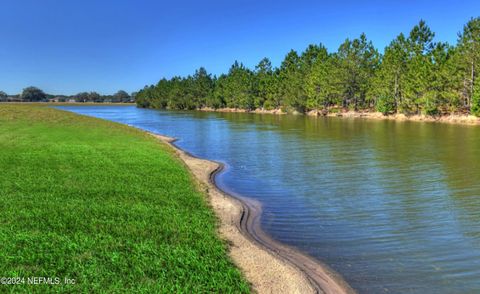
(451, 118)
(269, 266)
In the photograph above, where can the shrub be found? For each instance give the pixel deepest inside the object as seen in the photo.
(475, 108)
(385, 105)
(430, 109)
(268, 105)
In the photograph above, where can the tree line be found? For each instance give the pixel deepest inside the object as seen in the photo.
(34, 94)
(415, 74)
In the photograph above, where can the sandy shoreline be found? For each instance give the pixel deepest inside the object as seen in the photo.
(270, 267)
(451, 119)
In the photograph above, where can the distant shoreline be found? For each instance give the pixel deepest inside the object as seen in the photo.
(459, 119)
(451, 118)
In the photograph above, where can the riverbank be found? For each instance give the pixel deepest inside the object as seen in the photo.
(452, 118)
(270, 266)
(96, 206)
(297, 167)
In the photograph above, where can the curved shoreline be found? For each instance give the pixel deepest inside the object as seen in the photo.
(270, 266)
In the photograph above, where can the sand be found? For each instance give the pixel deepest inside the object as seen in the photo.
(462, 119)
(270, 267)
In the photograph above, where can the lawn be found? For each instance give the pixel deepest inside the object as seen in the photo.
(103, 205)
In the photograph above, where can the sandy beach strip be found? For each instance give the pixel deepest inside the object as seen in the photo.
(270, 267)
(460, 119)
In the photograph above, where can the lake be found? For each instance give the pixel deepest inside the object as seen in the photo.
(394, 207)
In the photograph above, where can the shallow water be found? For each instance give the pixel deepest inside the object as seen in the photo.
(392, 206)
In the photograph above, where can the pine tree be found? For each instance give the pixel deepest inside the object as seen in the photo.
(444, 90)
(387, 86)
(357, 62)
(202, 88)
(239, 87)
(274, 93)
(264, 80)
(217, 100)
(291, 88)
(320, 87)
(419, 68)
(469, 49)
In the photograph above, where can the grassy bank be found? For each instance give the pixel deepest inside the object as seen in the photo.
(104, 205)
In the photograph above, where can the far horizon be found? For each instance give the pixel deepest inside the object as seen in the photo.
(109, 46)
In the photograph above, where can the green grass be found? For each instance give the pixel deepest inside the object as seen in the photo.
(104, 204)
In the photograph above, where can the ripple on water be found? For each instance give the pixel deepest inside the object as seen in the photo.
(393, 207)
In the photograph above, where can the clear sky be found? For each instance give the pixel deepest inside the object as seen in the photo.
(67, 46)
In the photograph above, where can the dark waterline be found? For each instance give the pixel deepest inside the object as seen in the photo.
(392, 206)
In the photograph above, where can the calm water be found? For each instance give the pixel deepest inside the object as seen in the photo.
(394, 207)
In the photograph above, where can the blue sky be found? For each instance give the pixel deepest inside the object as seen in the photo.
(67, 46)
